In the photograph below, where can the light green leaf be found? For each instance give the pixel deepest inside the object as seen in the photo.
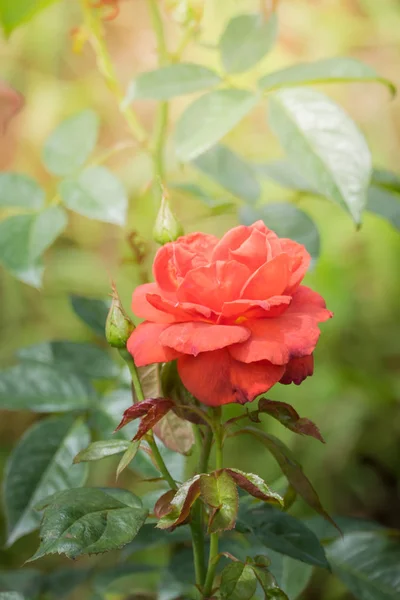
(97, 194)
(128, 457)
(32, 275)
(231, 171)
(13, 14)
(219, 492)
(170, 81)
(71, 143)
(384, 203)
(23, 238)
(39, 465)
(89, 521)
(285, 174)
(92, 311)
(246, 40)
(210, 118)
(325, 145)
(291, 575)
(238, 582)
(20, 191)
(11, 596)
(287, 221)
(217, 205)
(368, 564)
(101, 449)
(81, 358)
(328, 70)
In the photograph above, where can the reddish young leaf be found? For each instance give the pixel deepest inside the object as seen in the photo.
(286, 414)
(291, 468)
(11, 103)
(218, 490)
(163, 504)
(181, 503)
(175, 433)
(151, 410)
(254, 485)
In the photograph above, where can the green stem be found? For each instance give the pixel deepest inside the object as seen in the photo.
(106, 67)
(205, 451)
(158, 27)
(213, 557)
(197, 530)
(137, 386)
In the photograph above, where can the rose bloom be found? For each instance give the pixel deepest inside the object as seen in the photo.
(231, 311)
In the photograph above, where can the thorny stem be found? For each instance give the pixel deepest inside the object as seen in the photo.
(137, 386)
(94, 26)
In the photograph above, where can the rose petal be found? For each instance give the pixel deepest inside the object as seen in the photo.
(193, 338)
(298, 369)
(231, 241)
(213, 284)
(145, 347)
(180, 311)
(215, 378)
(269, 280)
(254, 309)
(299, 262)
(254, 251)
(142, 308)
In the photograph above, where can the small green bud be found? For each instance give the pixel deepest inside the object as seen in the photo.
(166, 228)
(118, 325)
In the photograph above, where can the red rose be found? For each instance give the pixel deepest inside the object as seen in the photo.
(232, 311)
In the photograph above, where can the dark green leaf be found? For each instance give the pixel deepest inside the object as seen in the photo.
(384, 203)
(285, 174)
(61, 582)
(325, 532)
(287, 221)
(246, 40)
(23, 238)
(85, 359)
(101, 449)
(368, 564)
(89, 521)
(386, 179)
(238, 582)
(24, 581)
(283, 533)
(149, 536)
(267, 580)
(97, 194)
(325, 144)
(39, 465)
(43, 388)
(71, 143)
(92, 311)
(292, 470)
(13, 14)
(218, 491)
(230, 171)
(328, 70)
(20, 191)
(117, 579)
(170, 81)
(218, 112)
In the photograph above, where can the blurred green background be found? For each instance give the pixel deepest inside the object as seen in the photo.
(354, 393)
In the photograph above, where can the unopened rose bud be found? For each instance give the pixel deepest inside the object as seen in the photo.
(118, 325)
(166, 228)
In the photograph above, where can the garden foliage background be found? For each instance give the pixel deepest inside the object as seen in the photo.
(354, 394)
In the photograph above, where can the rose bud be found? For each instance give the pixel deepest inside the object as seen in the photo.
(166, 228)
(118, 325)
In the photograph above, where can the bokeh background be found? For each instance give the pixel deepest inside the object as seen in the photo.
(354, 394)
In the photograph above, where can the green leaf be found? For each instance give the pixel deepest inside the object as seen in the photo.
(217, 205)
(218, 112)
(254, 485)
(288, 417)
(89, 521)
(292, 470)
(24, 238)
(11, 596)
(384, 203)
(71, 143)
(368, 564)
(291, 575)
(238, 582)
(32, 275)
(20, 191)
(287, 221)
(101, 449)
(218, 490)
(118, 579)
(386, 179)
(92, 311)
(266, 579)
(325, 144)
(24, 581)
(328, 70)
(39, 465)
(128, 457)
(171, 81)
(13, 14)
(285, 174)
(97, 194)
(80, 358)
(61, 582)
(231, 171)
(283, 533)
(181, 503)
(246, 40)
